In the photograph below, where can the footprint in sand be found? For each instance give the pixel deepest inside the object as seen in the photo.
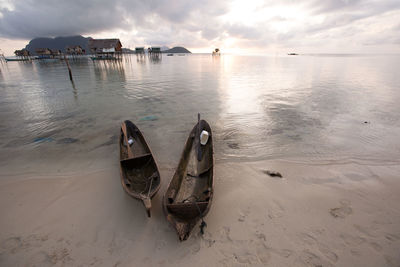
(160, 244)
(253, 251)
(11, 245)
(352, 240)
(37, 240)
(376, 246)
(245, 257)
(392, 237)
(310, 259)
(260, 236)
(392, 262)
(194, 248)
(236, 255)
(16, 244)
(243, 214)
(308, 239)
(243, 253)
(95, 262)
(368, 231)
(311, 240)
(332, 256)
(41, 258)
(355, 252)
(225, 234)
(285, 253)
(207, 239)
(60, 255)
(262, 252)
(275, 210)
(343, 211)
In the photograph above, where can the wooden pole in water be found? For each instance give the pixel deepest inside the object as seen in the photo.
(69, 68)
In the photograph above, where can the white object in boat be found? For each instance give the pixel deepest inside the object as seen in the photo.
(204, 137)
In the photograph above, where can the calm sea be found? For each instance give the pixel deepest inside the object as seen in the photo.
(307, 108)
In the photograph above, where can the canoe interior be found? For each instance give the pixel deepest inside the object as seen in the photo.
(190, 192)
(187, 210)
(139, 173)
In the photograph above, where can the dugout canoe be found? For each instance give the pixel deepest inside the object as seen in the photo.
(140, 177)
(190, 192)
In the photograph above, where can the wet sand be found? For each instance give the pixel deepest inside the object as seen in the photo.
(316, 215)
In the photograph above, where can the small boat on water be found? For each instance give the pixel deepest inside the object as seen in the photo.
(140, 177)
(17, 59)
(169, 55)
(190, 192)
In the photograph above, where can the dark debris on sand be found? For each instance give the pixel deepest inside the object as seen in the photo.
(273, 173)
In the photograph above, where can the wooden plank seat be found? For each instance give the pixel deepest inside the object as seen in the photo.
(187, 210)
(130, 161)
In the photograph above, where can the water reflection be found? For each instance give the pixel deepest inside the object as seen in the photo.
(155, 58)
(74, 90)
(272, 109)
(109, 69)
(259, 107)
(79, 62)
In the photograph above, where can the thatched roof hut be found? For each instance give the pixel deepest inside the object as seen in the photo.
(22, 53)
(155, 49)
(74, 50)
(105, 46)
(139, 50)
(56, 52)
(43, 51)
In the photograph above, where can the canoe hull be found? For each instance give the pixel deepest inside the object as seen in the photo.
(139, 173)
(189, 195)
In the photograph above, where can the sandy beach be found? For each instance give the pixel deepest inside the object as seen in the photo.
(333, 214)
(328, 124)
(307, 89)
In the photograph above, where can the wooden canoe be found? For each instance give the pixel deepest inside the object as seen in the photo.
(140, 177)
(190, 192)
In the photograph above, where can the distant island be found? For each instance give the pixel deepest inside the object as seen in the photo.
(127, 51)
(177, 49)
(60, 43)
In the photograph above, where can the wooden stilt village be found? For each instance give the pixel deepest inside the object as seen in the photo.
(98, 49)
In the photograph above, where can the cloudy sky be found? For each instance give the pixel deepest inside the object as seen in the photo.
(238, 26)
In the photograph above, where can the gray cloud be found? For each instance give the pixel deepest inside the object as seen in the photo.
(353, 6)
(49, 18)
(244, 32)
(330, 6)
(194, 22)
(57, 18)
(210, 33)
(343, 13)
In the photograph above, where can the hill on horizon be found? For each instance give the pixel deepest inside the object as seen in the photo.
(58, 43)
(177, 49)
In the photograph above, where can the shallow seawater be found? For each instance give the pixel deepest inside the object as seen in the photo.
(308, 108)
